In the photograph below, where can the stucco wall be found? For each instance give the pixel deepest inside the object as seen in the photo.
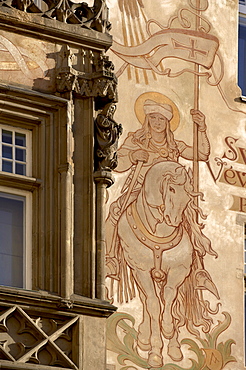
(187, 59)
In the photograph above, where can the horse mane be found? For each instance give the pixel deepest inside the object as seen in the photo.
(194, 229)
(190, 215)
(190, 308)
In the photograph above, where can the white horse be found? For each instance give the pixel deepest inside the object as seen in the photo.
(160, 252)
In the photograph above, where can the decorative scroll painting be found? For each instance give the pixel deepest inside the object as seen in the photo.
(165, 253)
(26, 61)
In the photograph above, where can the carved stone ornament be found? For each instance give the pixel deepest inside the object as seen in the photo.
(100, 82)
(42, 340)
(95, 17)
(107, 133)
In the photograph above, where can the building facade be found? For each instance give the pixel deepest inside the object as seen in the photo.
(172, 228)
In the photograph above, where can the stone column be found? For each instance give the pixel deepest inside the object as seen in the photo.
(103, 179)
(93, 90)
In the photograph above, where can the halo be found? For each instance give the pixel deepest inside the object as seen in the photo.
(158, 98)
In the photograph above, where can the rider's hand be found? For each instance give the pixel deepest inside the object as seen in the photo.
(199, 119)
(139, 155)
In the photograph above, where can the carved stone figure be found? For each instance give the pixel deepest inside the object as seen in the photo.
(107, 133)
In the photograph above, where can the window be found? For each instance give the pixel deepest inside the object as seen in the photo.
(15, 150)
(242, 3)
(15, 236)
(15, 207)
(242, 48)
(37, 124)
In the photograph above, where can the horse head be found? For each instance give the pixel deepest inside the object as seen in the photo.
(165, 189)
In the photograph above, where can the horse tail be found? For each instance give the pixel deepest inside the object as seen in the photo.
(190, 309)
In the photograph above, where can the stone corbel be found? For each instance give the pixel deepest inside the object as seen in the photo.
(99, 83)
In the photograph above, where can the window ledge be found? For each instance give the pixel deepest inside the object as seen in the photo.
(43, 300)
(19, 181)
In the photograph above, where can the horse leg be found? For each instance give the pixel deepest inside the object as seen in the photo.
(153, 310)
(144, 328)
(175, 278)
(173, 348)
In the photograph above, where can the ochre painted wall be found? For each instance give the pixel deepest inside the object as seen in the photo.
(176, 214)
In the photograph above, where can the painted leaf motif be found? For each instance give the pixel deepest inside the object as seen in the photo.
(213, 359)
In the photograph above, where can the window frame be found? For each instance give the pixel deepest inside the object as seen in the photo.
(22, 185)
(50, 185)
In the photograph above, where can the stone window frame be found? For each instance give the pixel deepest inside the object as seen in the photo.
(40, 112)
(46, 118)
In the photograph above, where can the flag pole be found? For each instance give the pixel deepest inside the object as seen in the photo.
(196, 141)
(196, 107)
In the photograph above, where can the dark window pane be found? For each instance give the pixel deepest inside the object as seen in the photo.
(7, 166)
(242, 56)
(12, 243)
(20, 139)
(20, 154)
(7, 151)
(7, 136)
(20, 169)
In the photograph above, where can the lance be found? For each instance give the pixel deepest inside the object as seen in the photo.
(196, 107)
(199, 260)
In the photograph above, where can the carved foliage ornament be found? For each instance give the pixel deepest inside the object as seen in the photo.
(95, 17)
(97, 81)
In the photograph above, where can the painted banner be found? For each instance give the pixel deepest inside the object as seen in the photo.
(192, 46)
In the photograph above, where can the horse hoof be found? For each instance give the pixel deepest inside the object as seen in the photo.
(175, 353)
(155, 360)
(143, 346)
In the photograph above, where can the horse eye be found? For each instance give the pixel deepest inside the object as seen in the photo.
(171, 189)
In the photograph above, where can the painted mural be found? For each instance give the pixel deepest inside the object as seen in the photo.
(23, 59)
(160, 259)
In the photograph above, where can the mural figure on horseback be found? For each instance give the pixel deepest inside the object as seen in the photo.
(154, 239)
